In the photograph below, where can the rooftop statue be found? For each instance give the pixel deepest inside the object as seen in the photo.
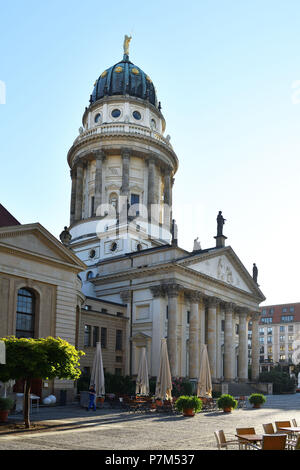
(255, 273)
(221, 222)
(127, 40)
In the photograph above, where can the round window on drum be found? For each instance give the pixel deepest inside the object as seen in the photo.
(137, 115)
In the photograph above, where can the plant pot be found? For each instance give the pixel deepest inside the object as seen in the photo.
(3, 415)
(189, 412)
(256, 405)
(227, 409)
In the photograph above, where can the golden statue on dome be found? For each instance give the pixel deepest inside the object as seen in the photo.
(127, 40)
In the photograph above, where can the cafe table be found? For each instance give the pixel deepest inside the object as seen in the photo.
(250, 438)
(290, 429)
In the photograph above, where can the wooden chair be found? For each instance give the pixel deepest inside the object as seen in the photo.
(282, 424)
(243, 443)
(272, 442)
(222, 442)
(269, 428)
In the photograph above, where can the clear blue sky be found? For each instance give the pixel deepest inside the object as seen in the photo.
(224, 72)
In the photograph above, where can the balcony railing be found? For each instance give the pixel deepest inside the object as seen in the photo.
(123, 128)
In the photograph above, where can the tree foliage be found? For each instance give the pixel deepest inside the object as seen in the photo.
(39, 358)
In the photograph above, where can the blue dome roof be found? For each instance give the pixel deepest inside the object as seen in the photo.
(124, 78)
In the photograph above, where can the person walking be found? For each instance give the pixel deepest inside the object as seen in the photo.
(92, 398)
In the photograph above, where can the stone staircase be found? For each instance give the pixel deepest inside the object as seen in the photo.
(241, 389)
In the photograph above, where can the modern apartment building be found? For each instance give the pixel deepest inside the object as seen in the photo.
(279, 335)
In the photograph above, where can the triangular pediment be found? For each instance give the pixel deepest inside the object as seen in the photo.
(35, 240)
(224, 266)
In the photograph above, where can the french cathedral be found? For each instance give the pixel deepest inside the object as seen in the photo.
(122, 168)
(123, 278)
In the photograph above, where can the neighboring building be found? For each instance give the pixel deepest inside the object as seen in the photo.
(40, 291)
(104, 322)
(122, 170)
(279, 335)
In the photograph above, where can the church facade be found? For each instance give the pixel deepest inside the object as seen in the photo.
(122, 169)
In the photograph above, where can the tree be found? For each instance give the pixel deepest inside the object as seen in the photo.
(42, 358)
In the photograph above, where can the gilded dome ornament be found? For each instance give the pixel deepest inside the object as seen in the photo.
(103, 74)
(118, 69)
(127, 40)
(135, 71)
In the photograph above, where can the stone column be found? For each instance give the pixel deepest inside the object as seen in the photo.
(73, 196)
(243, 346)
(212, 335)
(98, 180)
(126, 299)
(218, 343)
(228, 342)
(151, 185)
(79, 191)
(158, 325)
(167, 197)
(194, 351)
(173, 292)
(255, 346)
(201, 311)
(125, 173)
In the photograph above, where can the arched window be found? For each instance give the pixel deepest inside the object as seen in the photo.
(25, 314)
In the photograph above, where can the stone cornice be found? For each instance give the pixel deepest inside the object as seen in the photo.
(112, 141)
(137, 272)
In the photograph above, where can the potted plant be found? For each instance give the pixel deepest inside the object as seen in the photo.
(6, 404)
(188, 405)
(227, 403)
(257, 399)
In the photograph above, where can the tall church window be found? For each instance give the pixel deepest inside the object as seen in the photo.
(25, 314)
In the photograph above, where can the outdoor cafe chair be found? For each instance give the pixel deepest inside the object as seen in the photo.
(222, 442)
(282, 424)
(271, 442)
(269, 428)
(243, 443)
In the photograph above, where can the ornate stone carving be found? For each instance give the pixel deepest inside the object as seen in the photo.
(158, 291)
(173, 289)
(229, 307)
(213, 301)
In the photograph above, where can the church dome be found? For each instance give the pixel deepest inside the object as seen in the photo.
(124, 78)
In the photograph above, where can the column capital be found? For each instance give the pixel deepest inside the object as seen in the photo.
(173, 289)
(195, 296)
(213, 301)
(242, 311)
(255, 316)
(229, 307)
(99, 154)
(158, 291)
(125, 152)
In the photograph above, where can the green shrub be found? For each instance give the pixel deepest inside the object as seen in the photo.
(188, 402)
(226, 401)
(181, 386)
(257, 399)
(6, 403)
(282, 382)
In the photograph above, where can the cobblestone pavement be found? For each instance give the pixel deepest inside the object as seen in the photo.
(76, 429)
